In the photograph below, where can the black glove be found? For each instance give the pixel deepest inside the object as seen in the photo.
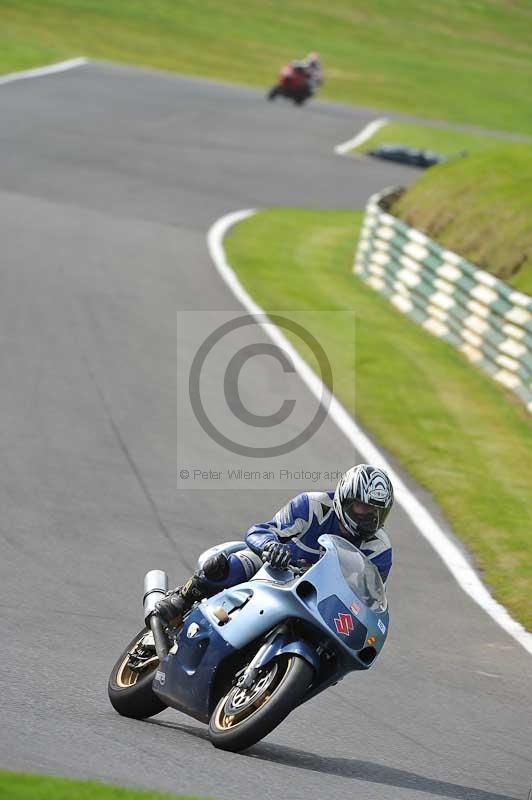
(277, 554)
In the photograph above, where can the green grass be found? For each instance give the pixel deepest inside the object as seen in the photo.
(480, 207)
(445, 141)
(461, 60)
(454, 430)
(21, 786)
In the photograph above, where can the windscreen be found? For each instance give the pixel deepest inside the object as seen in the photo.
(361, 575)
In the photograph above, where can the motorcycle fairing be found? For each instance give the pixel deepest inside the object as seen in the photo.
(272, 597)
(341, 620)
(185, 678)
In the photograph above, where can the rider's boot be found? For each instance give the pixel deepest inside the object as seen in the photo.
(176, 604)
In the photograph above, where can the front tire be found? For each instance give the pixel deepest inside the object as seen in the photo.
(130, 692)
(242, 718)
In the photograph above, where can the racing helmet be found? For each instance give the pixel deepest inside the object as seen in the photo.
(363, 499)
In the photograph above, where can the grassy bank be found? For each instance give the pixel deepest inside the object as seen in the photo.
(480, 207)
(467, 62)
(457, 432)
(445, 141)
(21, 786)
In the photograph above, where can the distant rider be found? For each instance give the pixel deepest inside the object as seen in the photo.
(310, 68)
(314, 70)
(356, 511)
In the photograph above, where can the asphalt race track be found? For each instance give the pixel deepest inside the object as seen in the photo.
(109, 180)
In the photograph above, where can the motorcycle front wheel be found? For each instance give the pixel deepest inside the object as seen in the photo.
(130, 690)
(245, 716)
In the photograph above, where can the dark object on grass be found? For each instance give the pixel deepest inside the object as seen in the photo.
(407, 155)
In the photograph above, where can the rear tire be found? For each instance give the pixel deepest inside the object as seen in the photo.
(285, 690)
(130, 692)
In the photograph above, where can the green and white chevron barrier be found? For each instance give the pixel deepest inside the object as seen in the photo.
(474, 311)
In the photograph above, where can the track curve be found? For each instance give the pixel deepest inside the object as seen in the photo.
(109, 179)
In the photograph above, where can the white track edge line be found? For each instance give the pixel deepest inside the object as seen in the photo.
(365, 133)
(39, 72)
(420, 517)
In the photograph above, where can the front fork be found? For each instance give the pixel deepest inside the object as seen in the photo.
(278, 642)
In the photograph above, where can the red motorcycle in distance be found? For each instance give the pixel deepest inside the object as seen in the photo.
(294, 83)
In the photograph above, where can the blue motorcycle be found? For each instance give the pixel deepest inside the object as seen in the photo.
(245, 658)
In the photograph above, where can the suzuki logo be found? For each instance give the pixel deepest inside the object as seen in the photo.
(344, 623)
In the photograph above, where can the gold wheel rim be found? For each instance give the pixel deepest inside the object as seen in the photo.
(126, 677)
(225, 722)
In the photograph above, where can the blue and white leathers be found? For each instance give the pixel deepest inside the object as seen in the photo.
(334, 615)
(299, 524)
(303, 520)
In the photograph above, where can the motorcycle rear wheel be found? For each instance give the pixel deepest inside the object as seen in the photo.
(130, 692)
(239, 721)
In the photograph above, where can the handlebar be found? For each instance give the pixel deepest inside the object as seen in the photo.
(299, 567)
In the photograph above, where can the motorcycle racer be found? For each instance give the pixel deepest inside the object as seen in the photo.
(314, 70)
(356, 511)
(298, 79)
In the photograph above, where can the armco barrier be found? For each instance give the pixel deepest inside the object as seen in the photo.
(474, 311)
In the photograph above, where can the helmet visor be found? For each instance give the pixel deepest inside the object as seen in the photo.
(362, 518)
